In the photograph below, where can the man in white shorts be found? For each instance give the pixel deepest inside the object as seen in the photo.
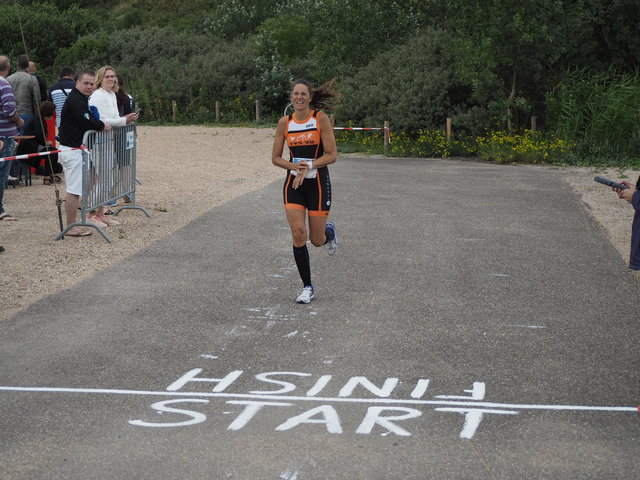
(76, 119)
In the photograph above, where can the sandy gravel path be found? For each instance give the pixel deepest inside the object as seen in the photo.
(187, 171)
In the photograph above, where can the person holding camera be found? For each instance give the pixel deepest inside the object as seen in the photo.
(632, 196)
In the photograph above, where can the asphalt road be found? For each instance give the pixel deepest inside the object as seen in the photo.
(474, 324)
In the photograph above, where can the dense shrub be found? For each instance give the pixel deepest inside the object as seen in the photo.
(408, 89)
(161, 65)
(47, 29)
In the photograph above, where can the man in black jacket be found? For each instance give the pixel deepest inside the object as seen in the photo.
(76, 119)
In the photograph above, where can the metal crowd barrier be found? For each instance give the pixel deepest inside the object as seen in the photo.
(108, 173)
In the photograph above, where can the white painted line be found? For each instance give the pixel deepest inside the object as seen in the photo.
(290, 474)
(388, 401)
(526, 326)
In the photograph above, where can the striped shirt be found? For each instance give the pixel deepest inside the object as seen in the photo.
(7, 110)
(58, 94)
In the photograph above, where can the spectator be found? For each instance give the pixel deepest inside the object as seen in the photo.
(125, 107)
(632, 196)
(38, 129)
(25, 90)
(125, 101)
(33, 69)
(76, 119)
(60, 90)
(105, 100)
(10, 122)
(1, 146)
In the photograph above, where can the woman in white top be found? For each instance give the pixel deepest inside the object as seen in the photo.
(105, 100)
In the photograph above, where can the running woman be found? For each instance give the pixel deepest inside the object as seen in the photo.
(307, 188)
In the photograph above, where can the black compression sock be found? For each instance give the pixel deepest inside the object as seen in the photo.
(301, 255)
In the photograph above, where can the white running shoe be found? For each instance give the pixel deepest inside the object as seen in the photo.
(306, 295)
(332, 244)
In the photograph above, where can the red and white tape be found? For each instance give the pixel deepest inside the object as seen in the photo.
(388, 130)
(39, 154)
(360, 128)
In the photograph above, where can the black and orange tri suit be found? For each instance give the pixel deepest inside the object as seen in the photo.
(305, 143)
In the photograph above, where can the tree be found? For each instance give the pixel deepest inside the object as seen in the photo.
(614, 25)
(161, 65)
(507, 48)
(355, 31)
(46, 30)
(413, 86)
(235, 18)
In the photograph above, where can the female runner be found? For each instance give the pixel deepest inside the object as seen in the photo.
(312, 146)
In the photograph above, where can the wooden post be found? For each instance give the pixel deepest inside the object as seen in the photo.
(387, 136)
(217, 111)
(332, 119)
(174, 110)
(534, 123)
(449, 129)
(257, 110)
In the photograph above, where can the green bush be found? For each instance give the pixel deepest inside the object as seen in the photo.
(408, 89)
(47, 29)
(161, 65)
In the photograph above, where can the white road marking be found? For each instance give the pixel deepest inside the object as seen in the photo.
(386, 401)
(289, 474)
(526, 326)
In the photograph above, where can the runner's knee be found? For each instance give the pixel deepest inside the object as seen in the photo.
(299, 235)
(318, 240)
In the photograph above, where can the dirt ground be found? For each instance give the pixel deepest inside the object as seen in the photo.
(187, 171)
